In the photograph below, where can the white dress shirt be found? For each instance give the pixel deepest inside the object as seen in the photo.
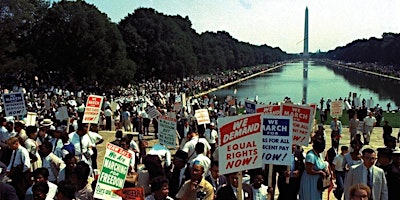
(20, 156)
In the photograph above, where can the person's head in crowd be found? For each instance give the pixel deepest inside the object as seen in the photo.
(64, 137)
(360, 191)
(214, 170)
(197, 172)
(384, 156)
(199, 148)
(344, 150)
(124, 144)
(233, 179)
(3, 121)
(258, 179)
(31, 132)
(46, 148)
(40, 190)
(82, 129)
(118, 134)
(390, 142)
(358, 137)
(396, 158)
(10, 126)
(355, 145)
(160, 187)
(13, 143)
(40, 175)
(18, 126)
(57, 133)
(66, 190)
(369, 157)
(318, 144)
(80, 174)
(180, 159)
(42, 132)
(70, 162)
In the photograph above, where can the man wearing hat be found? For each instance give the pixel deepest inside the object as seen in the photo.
(393, 176)
(46, 126)
(211, 136)
(180, 172)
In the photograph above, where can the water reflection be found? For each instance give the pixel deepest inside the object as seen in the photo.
(310, 81)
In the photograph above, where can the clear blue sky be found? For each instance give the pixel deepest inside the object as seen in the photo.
(278, 23)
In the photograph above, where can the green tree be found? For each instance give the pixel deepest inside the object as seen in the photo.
(78, 40)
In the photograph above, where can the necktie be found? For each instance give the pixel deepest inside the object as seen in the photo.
(55, 144)
(13, 160)
(369, 180)
(80, 144)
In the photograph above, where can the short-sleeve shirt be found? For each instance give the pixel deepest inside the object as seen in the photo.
(204, 187)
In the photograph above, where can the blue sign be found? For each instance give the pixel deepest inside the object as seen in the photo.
(14, 104)
(276, 127)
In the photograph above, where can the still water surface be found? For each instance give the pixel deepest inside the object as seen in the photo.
(312, 81)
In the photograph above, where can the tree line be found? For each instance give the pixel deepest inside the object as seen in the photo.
(383, 50)
(75, 39)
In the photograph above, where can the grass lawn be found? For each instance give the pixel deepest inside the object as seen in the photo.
(392, 118)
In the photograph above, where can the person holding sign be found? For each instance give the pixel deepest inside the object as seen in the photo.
(315, 168)
(197, 187)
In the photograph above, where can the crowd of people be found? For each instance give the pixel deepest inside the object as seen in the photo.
(57, 158)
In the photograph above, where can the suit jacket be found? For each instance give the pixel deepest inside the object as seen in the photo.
(7, 192)
(355, 175)
(222, 181)
(226, 193)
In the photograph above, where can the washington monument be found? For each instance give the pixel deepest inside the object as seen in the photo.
(305, 51)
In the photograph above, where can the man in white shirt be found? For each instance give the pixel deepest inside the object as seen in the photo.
(202, 159)
(96, 139)
(189, 146)
(18, 169)
(41, 175)
(367, 173)
(211, 136)
(51, 162)
(369, 124)
(82, 143)
(339, 172)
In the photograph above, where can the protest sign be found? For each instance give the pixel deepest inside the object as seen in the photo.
(302, 122)
(30, 119)
(250, 106)
(269, 109)
(92, 109)
(336, 109)
(152, 112)
(202, 116)
(14, 104)
(62, 113)
(113, 173)
(167, 131)
(240, 142)
(133, 193)
(277, 139)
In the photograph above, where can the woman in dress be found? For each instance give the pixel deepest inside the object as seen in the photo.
(32, 146)
(315, 167)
